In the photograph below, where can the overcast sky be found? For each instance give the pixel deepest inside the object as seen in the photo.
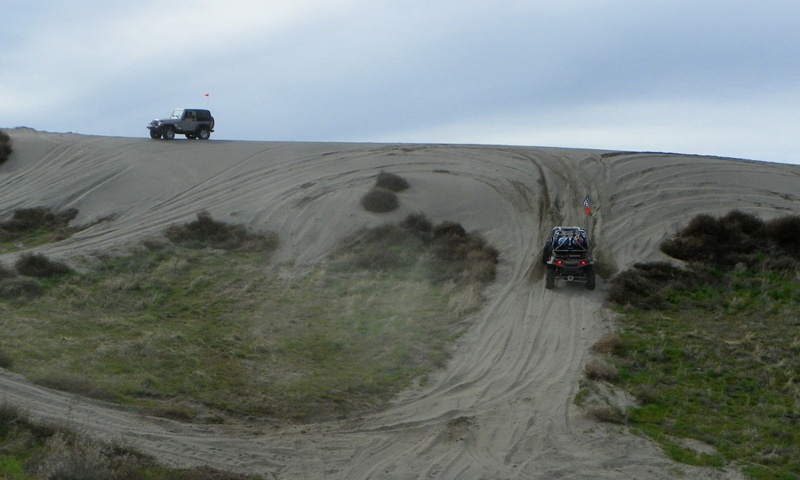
(716, 77)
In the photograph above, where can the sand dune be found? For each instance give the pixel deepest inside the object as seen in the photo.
(503, 406)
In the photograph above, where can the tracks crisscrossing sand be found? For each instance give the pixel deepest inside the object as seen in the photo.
(503, 406)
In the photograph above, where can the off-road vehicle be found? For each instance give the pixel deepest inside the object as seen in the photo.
(192, 122)
(566, 256)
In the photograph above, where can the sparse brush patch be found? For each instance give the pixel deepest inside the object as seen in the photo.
(709, 350)
(449, 253)
(39, 266)
(380, 200)
(391, 181)
(207, 232)
(30, 227)
(5, 147)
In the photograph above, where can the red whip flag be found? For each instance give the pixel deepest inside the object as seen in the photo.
(587, 206)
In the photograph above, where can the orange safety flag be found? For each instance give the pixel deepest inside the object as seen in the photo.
(587, 206)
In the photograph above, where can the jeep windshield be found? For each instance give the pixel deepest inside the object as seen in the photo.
(177, 113)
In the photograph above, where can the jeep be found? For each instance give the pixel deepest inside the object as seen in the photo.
(192, 122)
(566, 256)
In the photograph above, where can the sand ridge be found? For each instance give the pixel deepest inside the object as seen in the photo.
(503, 406)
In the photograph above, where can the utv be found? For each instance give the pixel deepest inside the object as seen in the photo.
(192, 122)
(566, 255)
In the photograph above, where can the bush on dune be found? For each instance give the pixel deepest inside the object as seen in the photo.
(451, 253)
(207, 232)
(5, 147)
(711, 246)
(39, 266)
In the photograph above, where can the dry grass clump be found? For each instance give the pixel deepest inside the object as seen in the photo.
(206, 232)
(380, 200)
(5, 147)
(391, 181)
(606, 413)
(598, 369)
(39, 266)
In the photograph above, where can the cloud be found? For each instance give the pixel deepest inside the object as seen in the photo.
(356, 70)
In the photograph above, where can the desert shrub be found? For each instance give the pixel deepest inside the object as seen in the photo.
(380, 200)
(450, 252)
(785, 232)
(5, 147)
(392, 182)
(207, 232)
(418, 224)
(27, 219)
(723, 241)
(39, 266)
(643, 285)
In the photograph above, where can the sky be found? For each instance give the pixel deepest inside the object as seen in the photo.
(710, 77)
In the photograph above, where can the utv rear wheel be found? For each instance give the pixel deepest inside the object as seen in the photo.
(590, 280)
(169, 134)
(550, 279)
(203, 133)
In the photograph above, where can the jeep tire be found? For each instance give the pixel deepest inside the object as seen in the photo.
(203, 133)
(155, 134)
(169, 133)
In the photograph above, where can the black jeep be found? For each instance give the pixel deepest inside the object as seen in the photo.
(566, 254)
(192, 122)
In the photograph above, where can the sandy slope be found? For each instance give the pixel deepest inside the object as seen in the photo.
(503, 407)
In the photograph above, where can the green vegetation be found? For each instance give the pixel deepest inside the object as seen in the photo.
(200, 326)
(31, 450)
(5, 147)
(712, 352)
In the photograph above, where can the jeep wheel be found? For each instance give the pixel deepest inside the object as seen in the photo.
(169, 134)
(155, 134)
(550, 280)
(203, 133)
(191, 136)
